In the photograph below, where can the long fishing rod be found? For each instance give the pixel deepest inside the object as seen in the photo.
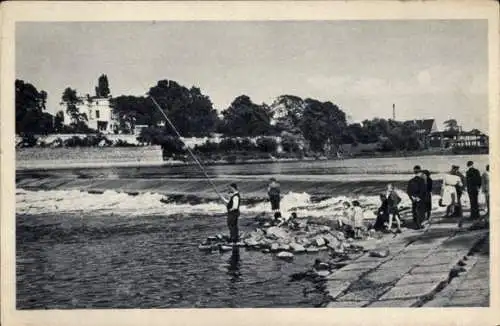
(187, 147)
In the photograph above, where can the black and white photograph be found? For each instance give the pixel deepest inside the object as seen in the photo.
(226, 163)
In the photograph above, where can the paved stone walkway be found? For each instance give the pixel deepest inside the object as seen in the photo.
(471, 289)
(419, 266)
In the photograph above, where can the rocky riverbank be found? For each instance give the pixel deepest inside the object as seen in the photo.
(377, 269)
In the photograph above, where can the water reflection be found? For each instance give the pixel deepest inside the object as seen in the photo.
(233, 269)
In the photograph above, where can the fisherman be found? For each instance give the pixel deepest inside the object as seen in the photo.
(233, 212)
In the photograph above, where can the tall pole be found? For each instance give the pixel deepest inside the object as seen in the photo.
(394, 112)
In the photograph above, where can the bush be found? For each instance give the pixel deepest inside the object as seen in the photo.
(267, 145)
(28, 140)
(171, 146)
(207, 147)
(290, 144)
(123, 143)
(228, 145)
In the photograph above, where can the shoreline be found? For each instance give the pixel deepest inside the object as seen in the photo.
(29, 165)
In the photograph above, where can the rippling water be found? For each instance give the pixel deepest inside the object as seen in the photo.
(113, 250)
(75, 261)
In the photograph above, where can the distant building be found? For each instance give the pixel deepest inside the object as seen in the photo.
(461, 139)
(138, 128)
(423, 127)
(99, 113)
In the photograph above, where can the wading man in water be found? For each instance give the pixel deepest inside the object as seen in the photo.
(233, 212)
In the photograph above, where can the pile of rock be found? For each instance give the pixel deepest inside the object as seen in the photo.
(286, 242)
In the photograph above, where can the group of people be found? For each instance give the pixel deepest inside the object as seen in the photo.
(233, 207)
(419, 191)
(454, 184)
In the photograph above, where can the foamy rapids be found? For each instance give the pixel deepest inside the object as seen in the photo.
(148, 204)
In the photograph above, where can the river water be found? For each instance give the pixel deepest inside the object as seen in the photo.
(113, 250)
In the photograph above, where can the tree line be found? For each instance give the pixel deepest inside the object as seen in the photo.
(323, 126)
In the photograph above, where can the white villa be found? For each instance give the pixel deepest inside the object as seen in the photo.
(99, 113)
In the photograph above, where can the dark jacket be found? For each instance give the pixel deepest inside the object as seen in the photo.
(392, 202)
(274, 191)
(473, 178)
(417, 188)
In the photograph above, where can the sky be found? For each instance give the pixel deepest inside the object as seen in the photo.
(427, 68)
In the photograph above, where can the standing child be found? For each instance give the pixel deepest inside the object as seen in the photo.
(274, 194)
(357, 216)
(393, 201)
(346, 221)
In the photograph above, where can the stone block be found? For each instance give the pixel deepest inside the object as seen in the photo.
(367, 294)
(347, 304)
(362, 265)
(336, 287)
(385, 275)
(422, 278)
(409, 291)
(402, 303)
(443, 268)
(347, 275)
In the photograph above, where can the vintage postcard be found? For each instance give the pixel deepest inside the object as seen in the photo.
(212, 163)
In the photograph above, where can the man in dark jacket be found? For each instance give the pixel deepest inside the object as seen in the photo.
(233, 212)
(473, 178)
(417, 190)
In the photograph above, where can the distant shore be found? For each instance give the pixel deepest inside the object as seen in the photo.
(61, 158)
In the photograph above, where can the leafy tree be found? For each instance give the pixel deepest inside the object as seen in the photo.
(291, 142)
(134, 110)
(245, 118)
(30, 107)
(59, 121)
(71, 100)
(102, 89)
(451, 128)
(287, 113)
(451, 124)
(190, 111)
(322, 123)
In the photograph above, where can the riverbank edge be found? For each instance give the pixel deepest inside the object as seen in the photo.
(53, 164)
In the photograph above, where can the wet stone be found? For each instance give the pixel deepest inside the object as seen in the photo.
(285, 255)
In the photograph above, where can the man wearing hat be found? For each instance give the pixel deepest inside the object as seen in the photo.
(417, 190)
(473, 184)
(233, 212)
